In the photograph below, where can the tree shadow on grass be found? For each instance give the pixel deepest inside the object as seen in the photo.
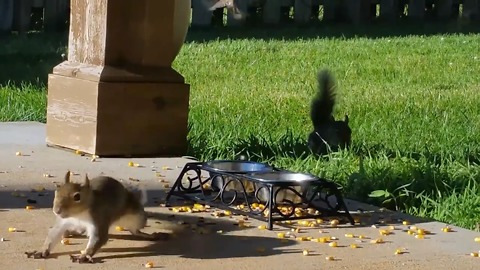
(29, 59)
(331, 30)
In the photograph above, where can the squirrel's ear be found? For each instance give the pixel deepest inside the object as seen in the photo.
(87, 181)
(67, 177)
(346, 119)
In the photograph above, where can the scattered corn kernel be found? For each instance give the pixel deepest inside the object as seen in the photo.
(131, 164)
(376, 241)
(149, 265)
(78, 152)
(65, 242)
(227, 212)
(447, 229)
(296, 230)
(420, 236)
(421, 232)
(333, 244)
(319, 220)
(329, 258)
(281, 235)
(349, 235)
(11, 229)
(398, 251)
(302, 238)
(414, 228)
(306, 252)
(119, 228)
(262, 227)
(406, 222)
(29, 207)
(384, 232)
(391, 227)
(361, 236)
(474, 254)
(323, 240)
(411, 232)
(46, 175)
(18, 153)
(334, 222)
(353, 246)
(477, 239)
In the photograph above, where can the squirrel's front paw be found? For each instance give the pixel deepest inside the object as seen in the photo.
(81, 258)
(37, 254)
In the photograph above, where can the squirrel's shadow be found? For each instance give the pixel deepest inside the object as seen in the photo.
(189, 244)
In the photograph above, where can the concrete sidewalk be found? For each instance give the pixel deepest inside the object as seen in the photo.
(222, 245)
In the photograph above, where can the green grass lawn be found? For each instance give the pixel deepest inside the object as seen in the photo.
(412, 100)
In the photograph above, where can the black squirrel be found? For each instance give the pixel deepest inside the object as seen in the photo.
(328, 134)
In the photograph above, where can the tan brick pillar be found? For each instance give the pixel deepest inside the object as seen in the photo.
(117, 94)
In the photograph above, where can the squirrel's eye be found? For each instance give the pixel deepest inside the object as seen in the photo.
(76, 197)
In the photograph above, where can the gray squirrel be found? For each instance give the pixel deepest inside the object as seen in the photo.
(92, 208)
(328, 134)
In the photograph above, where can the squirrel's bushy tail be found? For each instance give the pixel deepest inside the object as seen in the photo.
(322, 104)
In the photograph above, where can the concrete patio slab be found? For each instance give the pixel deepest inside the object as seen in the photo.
(221, 245)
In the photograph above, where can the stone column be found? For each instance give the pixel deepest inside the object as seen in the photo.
(117, 94)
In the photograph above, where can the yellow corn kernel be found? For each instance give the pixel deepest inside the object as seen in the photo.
(78, 152)
(447, 229)
(411, 232)
(333, 244)
(406, 222)
(421, 232)
(305, 252)
(18, 153)
(323, 240)
(398, 251)
(11, 229)
(262, 227)
(420, 236)
(477, 239)
(319, 221)
(302, 238)
(391, 227)
(361, 236)
(334, 222)
(119, 228)
(474, 254)
(131, 164)
(227, 213)
(377, 241)
(148, 265)
(29, 207)
(329, 258)
(296, 230)
(384, 232)
(303, 222)
(281, 235)
(349, 235)
(353, 246)
(65, 242)
(254, 205)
